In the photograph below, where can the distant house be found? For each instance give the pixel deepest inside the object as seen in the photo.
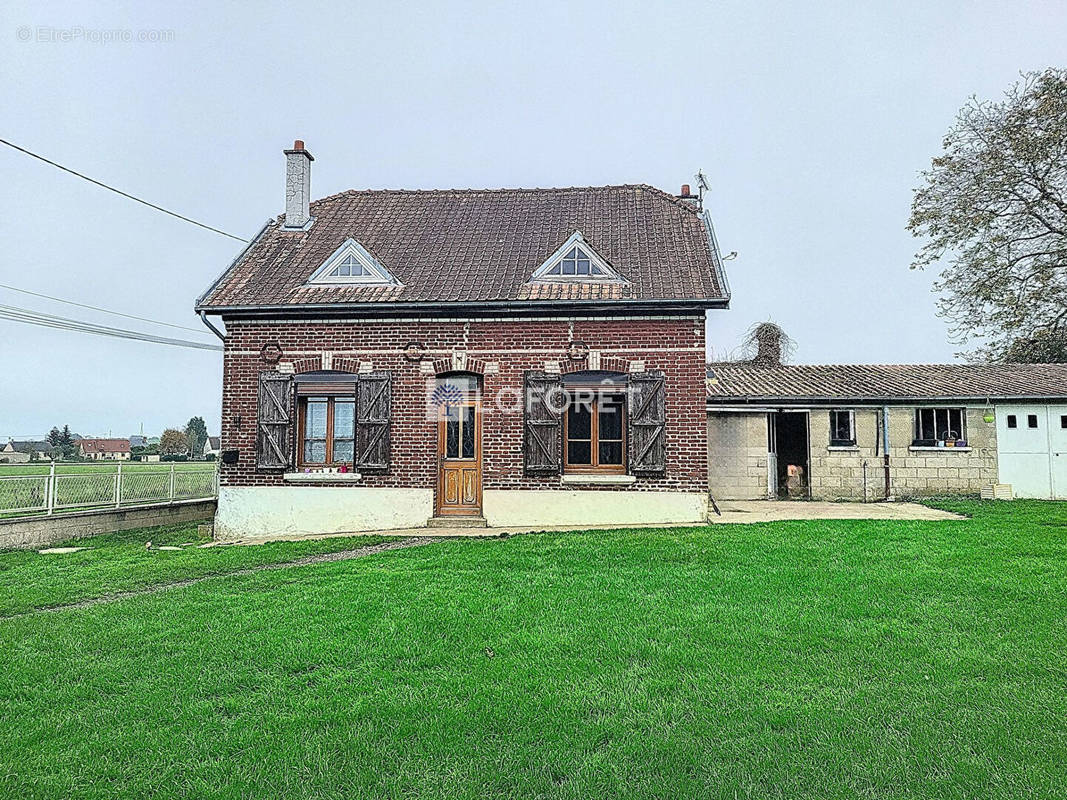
(138, 441)
(105, 449)
(9, 455)
(213, 446)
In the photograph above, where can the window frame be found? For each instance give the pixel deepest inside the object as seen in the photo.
(851, 441)
(330, 439)
(594, 395)
(918, 440)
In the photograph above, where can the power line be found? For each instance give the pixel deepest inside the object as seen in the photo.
(30, 317)
(118, 191)
(97, 308)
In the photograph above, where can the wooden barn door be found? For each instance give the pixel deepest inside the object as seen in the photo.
(459, 450)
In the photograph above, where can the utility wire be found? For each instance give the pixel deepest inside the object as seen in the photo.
(97, 308)
(118, 191)
(30, 317)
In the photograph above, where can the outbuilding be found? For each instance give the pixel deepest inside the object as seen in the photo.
(868, 432)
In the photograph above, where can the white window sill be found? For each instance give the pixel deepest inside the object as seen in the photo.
(941, 449)
(851, 448)
(591, 478)
(321, 477)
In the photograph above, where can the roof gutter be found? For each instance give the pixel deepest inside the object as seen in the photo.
(547, 307)
(716, 256)
(214, 330)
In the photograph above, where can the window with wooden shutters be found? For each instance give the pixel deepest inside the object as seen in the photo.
(273, 421)
(541, 423)
(373, 402)
(648, 428)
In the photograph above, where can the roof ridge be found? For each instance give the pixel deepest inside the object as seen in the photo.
(841, 365)
(513, 190)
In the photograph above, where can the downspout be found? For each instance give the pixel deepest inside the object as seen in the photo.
(214, 330)
(885, 447)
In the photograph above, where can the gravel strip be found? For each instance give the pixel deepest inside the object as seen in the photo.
(323, 558)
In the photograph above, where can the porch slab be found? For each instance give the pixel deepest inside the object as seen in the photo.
(733, 511)
(782, 510)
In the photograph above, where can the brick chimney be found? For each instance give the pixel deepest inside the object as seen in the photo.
(688, 197)
(297, 186)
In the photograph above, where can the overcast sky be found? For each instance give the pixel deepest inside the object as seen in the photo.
(810, 120)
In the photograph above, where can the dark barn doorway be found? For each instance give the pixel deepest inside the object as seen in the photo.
(789, 434)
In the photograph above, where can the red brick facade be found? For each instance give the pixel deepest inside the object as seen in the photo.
(502, 350)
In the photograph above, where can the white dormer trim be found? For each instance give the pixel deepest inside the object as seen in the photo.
(600, 271)
(374, 273)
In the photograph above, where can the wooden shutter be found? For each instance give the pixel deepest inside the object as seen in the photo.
(274, 421)
(647, 409)
(373, 402)
(541, 424)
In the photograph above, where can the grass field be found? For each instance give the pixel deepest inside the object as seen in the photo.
(800, 659)
(108, 467)
(83, 486)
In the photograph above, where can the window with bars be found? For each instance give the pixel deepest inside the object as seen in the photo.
(934, 425)
(842, 428)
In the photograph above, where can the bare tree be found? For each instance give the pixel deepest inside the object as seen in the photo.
(994, 204)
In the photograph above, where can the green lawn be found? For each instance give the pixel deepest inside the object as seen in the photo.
(806, 659)
(119, 562)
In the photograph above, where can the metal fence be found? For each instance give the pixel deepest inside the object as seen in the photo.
(123, 488)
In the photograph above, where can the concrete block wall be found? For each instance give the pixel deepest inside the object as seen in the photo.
(737, 456)
(738, 451)
(44, 531)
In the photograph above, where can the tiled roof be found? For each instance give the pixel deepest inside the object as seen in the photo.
(733, 382)
(482, 245)
(104, 445)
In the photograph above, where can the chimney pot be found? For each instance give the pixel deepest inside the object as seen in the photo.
(685, 190)
(297, 186)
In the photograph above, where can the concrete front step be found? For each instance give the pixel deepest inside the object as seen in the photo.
(456, 522)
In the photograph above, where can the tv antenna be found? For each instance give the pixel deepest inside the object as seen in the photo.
(702, 185)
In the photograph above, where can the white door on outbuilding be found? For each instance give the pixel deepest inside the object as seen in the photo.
(1057, 433)
(1032, 449)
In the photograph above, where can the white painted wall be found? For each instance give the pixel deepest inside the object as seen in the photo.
(264, 511)
(503, 507)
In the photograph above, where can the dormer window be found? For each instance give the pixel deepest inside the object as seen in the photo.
(352, 263)
(576, 261)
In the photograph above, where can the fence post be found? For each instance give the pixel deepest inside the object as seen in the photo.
(172, 482)
(51, 487)
(118, 486)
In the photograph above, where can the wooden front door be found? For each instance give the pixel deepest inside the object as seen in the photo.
(459, 451)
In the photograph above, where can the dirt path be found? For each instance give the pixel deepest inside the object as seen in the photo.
(342, 555)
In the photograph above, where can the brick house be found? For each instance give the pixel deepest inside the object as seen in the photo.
(823, 431)
(399, 358)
